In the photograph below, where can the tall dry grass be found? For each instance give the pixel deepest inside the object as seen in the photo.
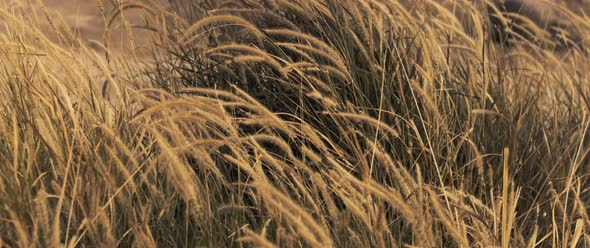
(282, 123)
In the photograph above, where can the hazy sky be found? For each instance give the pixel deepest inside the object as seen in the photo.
(87, 20)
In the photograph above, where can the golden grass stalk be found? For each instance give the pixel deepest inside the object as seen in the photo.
(189, 36)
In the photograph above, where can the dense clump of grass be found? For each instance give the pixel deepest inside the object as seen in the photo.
(276, 123)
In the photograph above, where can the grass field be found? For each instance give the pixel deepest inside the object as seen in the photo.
(277, 123)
